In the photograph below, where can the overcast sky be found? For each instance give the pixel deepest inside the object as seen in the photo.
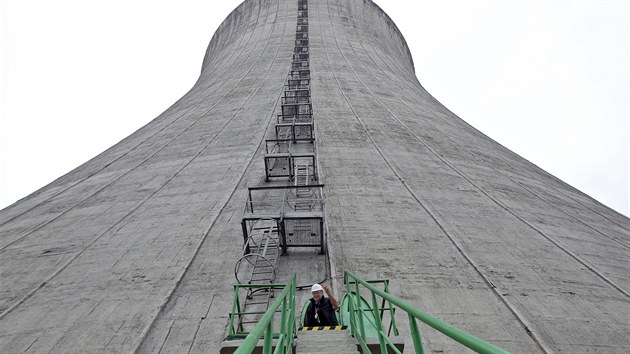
(547, 79)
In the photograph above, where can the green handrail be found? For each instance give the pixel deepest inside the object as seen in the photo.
(236, 329)
(265, 326)
(386, 311)
(352, 283)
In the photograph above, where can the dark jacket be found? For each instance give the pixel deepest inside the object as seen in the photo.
(324, 311)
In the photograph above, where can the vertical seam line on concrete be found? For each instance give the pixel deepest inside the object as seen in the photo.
(527, 326)
(585, 263)
(192, 343)
(168, 333)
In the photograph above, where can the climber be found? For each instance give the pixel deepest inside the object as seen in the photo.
(321, 309)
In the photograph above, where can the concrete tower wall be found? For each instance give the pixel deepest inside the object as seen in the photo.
(134, 250)
(462, 226)
(90, 260)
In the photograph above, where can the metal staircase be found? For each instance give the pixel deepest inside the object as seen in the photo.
(363, 325)
(323, 342)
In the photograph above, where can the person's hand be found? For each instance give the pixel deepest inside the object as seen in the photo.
(335, 304)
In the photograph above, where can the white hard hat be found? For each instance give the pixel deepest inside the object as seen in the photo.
(316, 287)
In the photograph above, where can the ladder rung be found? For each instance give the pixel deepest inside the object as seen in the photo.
(256, 303)
(262, 265)
(267, 277)
(260, 294)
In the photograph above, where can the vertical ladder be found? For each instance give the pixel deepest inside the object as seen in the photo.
(256, 304)
(262, 269)
(260, 254)
(302, 177)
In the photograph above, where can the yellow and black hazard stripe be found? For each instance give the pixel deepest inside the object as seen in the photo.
(324, 328)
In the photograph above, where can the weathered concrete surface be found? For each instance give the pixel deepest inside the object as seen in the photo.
(134, 250)
(464, 228)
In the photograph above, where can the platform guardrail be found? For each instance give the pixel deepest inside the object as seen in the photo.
(353, 285)
(285, 304)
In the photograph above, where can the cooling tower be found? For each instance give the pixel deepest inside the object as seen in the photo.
(135, 250)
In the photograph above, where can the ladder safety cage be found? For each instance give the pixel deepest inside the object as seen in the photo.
(298, 209)
(278, 201)
(293, 146)
(282, 165)
(301, 55)
(298, 84)
(297, 65)
(289, 146)
(295, 131)
(281, 310)
(299, 74)
(295, 109)
(293, 98)
(260, 253)
(303, 92)
(296, 97)
(300, 118)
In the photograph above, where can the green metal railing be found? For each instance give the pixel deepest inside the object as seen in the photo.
(265, 327)
(357, 319)
(236, 329)
(385, 310)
